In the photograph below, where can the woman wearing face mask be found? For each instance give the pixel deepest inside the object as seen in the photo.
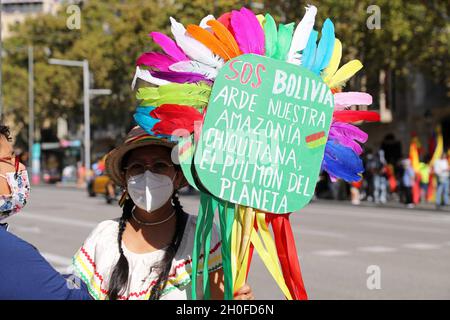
(146, 254)
(24, 273)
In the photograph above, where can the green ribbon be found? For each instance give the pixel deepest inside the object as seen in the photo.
(202, 240)
(226, 216)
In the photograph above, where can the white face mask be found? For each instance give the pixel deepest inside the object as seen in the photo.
(150, 191)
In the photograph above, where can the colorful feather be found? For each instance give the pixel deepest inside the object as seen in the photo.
(169, 114)
(169, 46)
(333, 65)
(225, 36)
(344, 73)
(210, 41)
(301, 35)
(195, 67)
(155, 60)
(342, 162)
(324, 48)
(261, 20)
(247, 31)
(343, 100)
(146, 76)
(271, 36)
(193, 48)
(284, 41)
(225, 19)
(310, 51)
(180, 77)
(349, 131)
(144, 120)
(346, 134)
(195, 95)
(355, 116)
(204, 22)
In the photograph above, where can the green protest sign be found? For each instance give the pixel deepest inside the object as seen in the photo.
(264, 134)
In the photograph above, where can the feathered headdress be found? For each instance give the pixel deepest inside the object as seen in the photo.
(183, 75)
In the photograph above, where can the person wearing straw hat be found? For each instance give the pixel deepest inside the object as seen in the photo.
(146, 254)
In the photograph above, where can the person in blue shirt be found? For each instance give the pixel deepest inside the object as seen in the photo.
(24, 272)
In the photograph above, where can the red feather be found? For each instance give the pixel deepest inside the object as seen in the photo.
(354, 116)
(174, 116)
(225, 19)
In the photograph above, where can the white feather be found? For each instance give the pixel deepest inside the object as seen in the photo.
(205, 20)
(146, 76)
(193, 48)
(195, 67)
(301, 34)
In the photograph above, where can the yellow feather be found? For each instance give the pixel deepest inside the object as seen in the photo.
(344, 73)
(261, 19)
(332, 67)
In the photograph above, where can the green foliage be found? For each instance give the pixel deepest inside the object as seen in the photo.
(413, 35)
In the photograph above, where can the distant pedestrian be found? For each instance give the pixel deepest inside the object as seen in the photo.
(408, 182)
(424, 171)
(355, 192)
(441, 169)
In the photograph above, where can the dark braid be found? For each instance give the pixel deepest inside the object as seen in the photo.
(166, 263)
(119, 277)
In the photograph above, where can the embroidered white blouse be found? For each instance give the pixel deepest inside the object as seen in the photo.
(95, 260)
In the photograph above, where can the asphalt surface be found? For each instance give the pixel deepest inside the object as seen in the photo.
(345, 252)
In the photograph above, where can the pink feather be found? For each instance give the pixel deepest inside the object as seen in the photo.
(343, 100)
(156, 60)
(346, 134)
(247, 31)
(169, 46)
(349, 131)
(180, 77)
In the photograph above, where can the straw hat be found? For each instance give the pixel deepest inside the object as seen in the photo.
(136, 138)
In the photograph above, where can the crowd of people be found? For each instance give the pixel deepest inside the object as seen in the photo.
(401, 181)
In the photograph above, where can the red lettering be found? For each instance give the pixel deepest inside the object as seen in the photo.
(244, 69)
(236, 73)
(258, 75)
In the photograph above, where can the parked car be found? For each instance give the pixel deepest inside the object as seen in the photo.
(103, 185)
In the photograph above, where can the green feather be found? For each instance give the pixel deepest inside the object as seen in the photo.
(195, 95)
(284, 41)
(270, 33)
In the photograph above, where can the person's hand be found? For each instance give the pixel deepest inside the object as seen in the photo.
(244, 293)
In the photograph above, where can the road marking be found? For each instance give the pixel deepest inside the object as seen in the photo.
(331, 253)
(320, 233)
(57, 259)
(377, 249)
(422, 246)
(403, 227)
(53, 219)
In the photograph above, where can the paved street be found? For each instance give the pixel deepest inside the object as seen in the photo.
(336, 242)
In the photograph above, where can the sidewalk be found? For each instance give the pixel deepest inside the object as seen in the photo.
(388, 205)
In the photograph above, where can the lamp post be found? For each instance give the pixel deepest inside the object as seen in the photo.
(86, 102)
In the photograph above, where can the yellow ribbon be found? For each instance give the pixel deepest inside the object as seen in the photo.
(269, 253)
(245, 233)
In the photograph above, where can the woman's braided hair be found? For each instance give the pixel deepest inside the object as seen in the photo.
(119, 276)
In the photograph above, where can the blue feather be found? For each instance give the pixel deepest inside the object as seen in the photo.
(310, 51)
(143, 119)
(324, 48)
(342, 162)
